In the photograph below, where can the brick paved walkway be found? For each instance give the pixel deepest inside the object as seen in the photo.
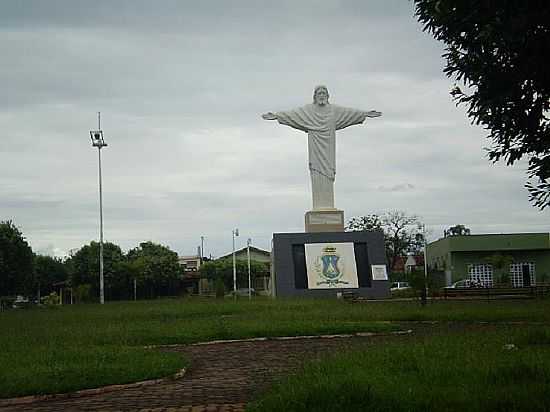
(222, 377)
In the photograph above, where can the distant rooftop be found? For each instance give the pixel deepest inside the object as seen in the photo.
(243, 250)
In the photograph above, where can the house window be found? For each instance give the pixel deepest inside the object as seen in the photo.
(481, 273)
(522, 274)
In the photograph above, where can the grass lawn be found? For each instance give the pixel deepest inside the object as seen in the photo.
(471, 372)
(82, 346)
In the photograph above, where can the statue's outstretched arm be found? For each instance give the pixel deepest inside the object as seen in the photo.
(269, 116)
(373, 113)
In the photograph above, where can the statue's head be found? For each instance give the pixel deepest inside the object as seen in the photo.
(320, 95)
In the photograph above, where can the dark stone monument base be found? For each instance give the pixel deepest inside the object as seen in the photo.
(288, 263)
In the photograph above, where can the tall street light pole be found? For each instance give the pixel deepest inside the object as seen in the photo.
(202, 249)
(248, 242)
(235, 233)
(425, 300)
(99, 142)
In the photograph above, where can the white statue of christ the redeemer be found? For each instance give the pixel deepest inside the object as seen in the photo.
(320, 121)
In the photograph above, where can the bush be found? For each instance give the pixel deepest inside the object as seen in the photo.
(51, 300)
(82, 293)
(220, 288)
(6, 302)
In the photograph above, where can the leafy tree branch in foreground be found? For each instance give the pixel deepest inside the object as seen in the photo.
(498, 51)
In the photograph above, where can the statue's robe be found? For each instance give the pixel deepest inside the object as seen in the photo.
(321, 123)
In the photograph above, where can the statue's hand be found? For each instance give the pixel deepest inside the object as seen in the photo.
(269, 116)
(374, 113)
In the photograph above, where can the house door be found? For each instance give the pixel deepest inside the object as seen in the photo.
(526, 273)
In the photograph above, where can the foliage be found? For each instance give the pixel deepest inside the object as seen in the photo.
(220, 288)
(223, 268)
(402, 233)
(155, 267)
(82, 293)
(458, 230)
(47, 271)
(80, 346)
(16, 261)
(466, 371)
(123, 285)
(498, 50)
(501, 266)
(84, 266)
(417, 280)
(51, 300)
(368, 223)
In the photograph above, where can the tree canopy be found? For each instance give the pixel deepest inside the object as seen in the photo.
(16, 261)
(223, 269)
(156, 266)
(457, 230)
(47, 271)
(84, 266)
(402, 232)
(497, 51)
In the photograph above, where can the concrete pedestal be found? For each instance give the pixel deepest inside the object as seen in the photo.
(289, 269)
(329, 220)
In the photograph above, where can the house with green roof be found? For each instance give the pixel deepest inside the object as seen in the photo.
(527, 257)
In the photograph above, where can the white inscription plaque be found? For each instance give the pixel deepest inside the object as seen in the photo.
(379, 272)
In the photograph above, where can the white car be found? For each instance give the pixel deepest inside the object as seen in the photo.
(465, 283)
(399, 286)
(20, 302)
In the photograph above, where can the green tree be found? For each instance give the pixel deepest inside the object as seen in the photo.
(16, 261)
(368, 222)
(223, 269)
(156, 267)
(82, 293)
(402, 232)
(84, 267)
(501, 267)
(47, 271)
(498, 51)
(127, 270)
(457, 230)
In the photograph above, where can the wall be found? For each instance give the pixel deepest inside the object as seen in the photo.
(461, 260)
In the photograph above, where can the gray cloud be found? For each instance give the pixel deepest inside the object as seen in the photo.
(181, 88)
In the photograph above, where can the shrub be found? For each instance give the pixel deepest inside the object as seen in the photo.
(51, 300)
(82, 293)
(220, 288)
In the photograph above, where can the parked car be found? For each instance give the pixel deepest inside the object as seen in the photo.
(20, 302)
(399, 286)
(243, 292)
(465, 283)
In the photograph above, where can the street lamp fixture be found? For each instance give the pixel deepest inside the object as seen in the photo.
(99, 142)
(97, 138)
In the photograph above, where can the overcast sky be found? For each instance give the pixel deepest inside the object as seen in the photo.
(181, 86)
